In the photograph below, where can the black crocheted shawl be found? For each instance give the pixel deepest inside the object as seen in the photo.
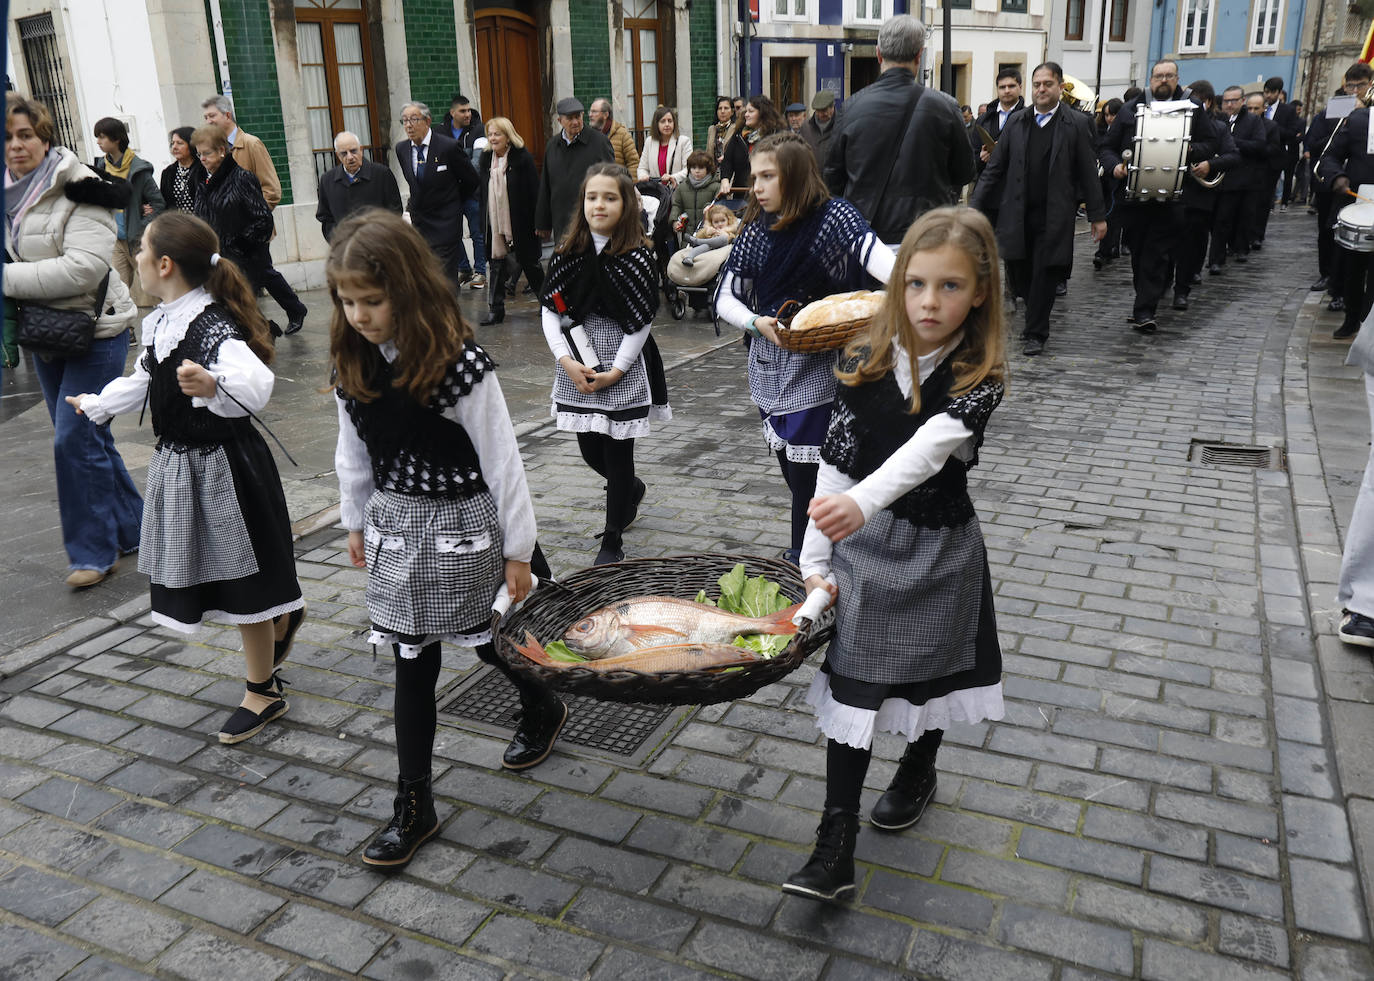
(176, 423)
(806, 261)
(870, 422)
(622, 288)
(415, 449)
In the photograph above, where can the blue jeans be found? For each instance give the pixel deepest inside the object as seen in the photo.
(102, 511)
(472, 210)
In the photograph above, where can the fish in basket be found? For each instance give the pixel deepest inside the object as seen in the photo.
(829, 322)
(645, 630)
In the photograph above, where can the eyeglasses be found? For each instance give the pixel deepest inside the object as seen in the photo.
(1163, 76)
(411, 119)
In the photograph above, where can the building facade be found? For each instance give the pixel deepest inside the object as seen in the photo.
(1233, 42)
(1333, 36)
(1103, 43)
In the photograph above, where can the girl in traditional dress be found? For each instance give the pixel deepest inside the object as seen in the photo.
(797, 243)
(216, 540)
(893, 535)
(432, 493)
(603, 280)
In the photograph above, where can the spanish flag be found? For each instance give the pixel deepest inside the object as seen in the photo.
(1367, 52)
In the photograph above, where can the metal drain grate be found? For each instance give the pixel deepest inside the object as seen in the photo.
(1236, 455)
(630, 735)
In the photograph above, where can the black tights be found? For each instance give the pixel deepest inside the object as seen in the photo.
(415, 713)
(801, 481)
(614, 460)
(846, 767)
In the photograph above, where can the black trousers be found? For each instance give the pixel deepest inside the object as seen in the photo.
(1357, 285)
(452, 257)
(1324, 202)
(1260, 206)
(1152, 231)
(262, 275)
(1036, 280)
(1192, 250)
(501, 275)
(801, 481)
(1291, 162)
(1230, 226)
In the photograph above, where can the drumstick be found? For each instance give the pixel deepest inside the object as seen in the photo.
(1360, 196)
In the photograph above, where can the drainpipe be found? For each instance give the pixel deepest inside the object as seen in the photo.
(1101, 43)
(221, 52)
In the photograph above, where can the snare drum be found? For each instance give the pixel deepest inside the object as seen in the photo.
(1355, 227)
(1161, 154)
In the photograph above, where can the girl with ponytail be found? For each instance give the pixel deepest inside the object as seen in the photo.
(216, 540)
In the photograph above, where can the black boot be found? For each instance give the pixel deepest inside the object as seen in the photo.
(536, 733)
(829, 874)
(636, 498)
(612, 549)
(413, 822)
(906, 798)
(496, 294)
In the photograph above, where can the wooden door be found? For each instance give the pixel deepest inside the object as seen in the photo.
(862, 72)
(788, 82)
(508, 72)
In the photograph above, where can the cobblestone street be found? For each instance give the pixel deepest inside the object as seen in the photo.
(1181, 789)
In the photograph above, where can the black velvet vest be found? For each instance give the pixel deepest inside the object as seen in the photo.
(176, 423)
(414, 448)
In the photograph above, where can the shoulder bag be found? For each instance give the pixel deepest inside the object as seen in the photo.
(52, 333)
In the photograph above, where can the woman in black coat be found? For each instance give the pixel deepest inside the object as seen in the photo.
(510, 188)
(231, 202)
(184, 175)
(760, 119)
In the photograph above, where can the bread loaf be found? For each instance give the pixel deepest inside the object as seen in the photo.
(839, 308)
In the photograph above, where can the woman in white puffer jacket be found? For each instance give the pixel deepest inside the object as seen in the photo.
(59, 236)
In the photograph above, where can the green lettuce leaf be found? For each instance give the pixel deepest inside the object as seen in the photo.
(703, 599)
(765, 645)
(756, 597)
(559, 652)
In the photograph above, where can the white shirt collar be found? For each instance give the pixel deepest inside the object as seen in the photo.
(389, 350)
(168, 322)
(232, 136)
(599, 241)
(925, 363)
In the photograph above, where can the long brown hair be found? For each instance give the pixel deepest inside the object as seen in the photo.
(770, 121)
(376, 248)
(629, 230)
(799, 179)
(982, 354)
(190, 243)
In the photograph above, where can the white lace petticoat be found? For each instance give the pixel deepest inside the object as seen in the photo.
(855, 726)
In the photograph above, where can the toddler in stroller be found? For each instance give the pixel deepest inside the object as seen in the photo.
(718, 229)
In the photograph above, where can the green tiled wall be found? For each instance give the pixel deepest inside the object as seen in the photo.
(253, 72)
(432, 50)
(591, 50)
(703, 42)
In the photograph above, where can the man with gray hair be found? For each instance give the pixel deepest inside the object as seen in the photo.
(933, 159)
(622, 143)
(441, 178)
(355, 183)
(249, 151)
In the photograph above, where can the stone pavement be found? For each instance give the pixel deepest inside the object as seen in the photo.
(1171, 795)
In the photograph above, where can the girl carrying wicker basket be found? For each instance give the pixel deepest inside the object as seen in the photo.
(216, 538)
(432, 491)
(894, 538)
(599, 298)
(797, 243)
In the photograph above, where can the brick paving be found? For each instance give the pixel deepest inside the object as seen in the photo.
(1166, 798)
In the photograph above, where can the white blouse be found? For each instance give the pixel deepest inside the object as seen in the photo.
(483, 414)
(238, 371)
(630, 345)
(915, 461)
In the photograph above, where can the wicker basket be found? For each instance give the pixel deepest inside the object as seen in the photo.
(825, 338)
(553, 607)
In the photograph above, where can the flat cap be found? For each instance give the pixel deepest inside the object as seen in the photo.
(795, 107)
(823, 99)
(570, 106)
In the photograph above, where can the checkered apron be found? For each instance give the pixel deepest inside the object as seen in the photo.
(193, 527)
(630, 393)
(909, 600)
(434, 564)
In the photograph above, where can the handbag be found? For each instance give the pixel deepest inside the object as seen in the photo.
(52, 333)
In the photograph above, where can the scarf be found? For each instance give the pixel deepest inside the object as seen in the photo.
(622, 288)
(22, 192)
(697, 184)
(121, 169)
(498, 205)
(804, 262)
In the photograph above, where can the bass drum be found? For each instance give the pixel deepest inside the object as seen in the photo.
(1355, 226)
(1160, 157)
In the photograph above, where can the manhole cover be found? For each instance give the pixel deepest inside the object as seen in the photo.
(628, 735)
(1236, 455)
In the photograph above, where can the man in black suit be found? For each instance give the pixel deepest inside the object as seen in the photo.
(1009, 100)
(1153, 229)
(1347, 164)
(1285, 117)
(1200, 202)
(355, 183)
(441, 178)
(1236, 210)
(573, 149)
(1273, 169)
(1042, 166)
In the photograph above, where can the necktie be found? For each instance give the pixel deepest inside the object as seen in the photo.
(1041, 118)
(419, 161)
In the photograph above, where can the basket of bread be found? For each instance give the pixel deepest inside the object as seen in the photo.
(829, 322)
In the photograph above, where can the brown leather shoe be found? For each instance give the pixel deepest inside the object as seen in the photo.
(85, 578)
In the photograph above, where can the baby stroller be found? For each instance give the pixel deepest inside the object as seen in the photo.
(695, 285)
(658, 201)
